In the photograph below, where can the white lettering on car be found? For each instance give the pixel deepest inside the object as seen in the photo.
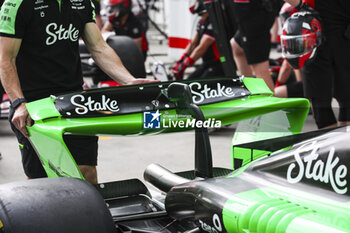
(216, 222)
(317, 169)
(56, 32)
(201, 93)
(83, 107)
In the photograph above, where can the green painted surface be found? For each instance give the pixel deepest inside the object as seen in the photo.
(44, 109)
(278, 209)
(46, 133)
(277, 117)
(8, 14)
(257, 86)
(59, 5)
(93, 12)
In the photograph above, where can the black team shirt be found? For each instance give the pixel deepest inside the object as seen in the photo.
(212, 55)
(48, 61)
(132, 28)
(335, 14)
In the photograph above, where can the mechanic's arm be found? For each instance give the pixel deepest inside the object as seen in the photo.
(303, 5)
(9, 48)
(187, 60)
(293, 2)
(106, 58)
(203, 46)
(193, 44)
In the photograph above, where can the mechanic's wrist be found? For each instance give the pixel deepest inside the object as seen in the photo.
(183, 57)
(18, 102)
(188, 61)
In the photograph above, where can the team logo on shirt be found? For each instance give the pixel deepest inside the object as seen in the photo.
(56, 32)
(77, 4)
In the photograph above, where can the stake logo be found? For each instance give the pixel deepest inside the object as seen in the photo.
(56, 32)
(83, 106)
(326, 172)
(151, 120)
(216, 225)
(200, 93)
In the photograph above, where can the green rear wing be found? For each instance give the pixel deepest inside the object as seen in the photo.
(54, 116)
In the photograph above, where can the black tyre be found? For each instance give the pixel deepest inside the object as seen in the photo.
(129, 53)
(53, 205)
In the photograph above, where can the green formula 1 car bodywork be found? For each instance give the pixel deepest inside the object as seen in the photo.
(244, 100)
(280, 181)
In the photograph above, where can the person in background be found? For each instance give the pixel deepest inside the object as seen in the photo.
(140, 10)
(202, 46)
(123, 22)
(328, 75)
(251, 43)
(283, 88)
(274, 34)
(39, 57)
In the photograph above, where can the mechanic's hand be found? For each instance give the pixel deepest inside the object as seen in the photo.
(178, 73)
(21, 119)
(182, 58)
(303, 6)
(179, 70)
(175, 70)
(141, 81)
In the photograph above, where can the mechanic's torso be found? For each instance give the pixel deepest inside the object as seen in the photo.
(48, 60)
(131, 28)
(212, 53)
(335, 14)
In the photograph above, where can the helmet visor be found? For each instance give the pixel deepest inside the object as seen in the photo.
(296, 46)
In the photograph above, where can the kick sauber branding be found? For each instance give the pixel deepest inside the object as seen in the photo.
(217, 227)
(56, 32)
(155, 120)
(84, 105)
(202, 92)
(148, 99)
(312, 165)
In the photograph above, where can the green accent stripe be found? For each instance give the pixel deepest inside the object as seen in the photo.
(20, 145)
(59, 5)
(8, 16)
(93, 11)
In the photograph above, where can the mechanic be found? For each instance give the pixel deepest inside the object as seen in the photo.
(39, 57)
(140, 10)
(328, 75)
(203, 46)
(251, 42)
(284, 87)
(125, 23)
